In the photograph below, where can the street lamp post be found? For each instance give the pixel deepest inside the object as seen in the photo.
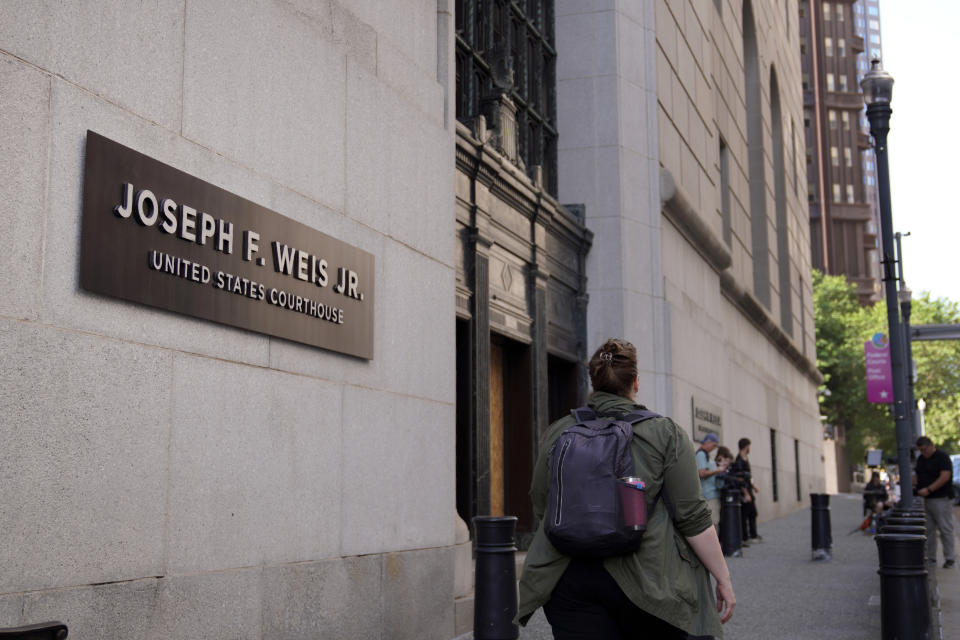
(877, 91)
(906, 300)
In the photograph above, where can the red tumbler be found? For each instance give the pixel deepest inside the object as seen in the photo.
(633, 502)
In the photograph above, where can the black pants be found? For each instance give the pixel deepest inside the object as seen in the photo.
(587, 604)
(748, 518)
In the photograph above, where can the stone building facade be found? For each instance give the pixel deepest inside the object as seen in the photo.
(529, 177)
(168, 477)
(682, 136)
(680, 139)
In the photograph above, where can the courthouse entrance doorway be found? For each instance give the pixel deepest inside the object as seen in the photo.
(564, 389)
(511, 431)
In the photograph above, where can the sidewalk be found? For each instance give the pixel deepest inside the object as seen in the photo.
(783, 594)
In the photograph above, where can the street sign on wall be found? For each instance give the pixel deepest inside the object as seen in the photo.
(879, 377)
(158, 236)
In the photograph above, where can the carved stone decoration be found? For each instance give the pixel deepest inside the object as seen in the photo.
(480, 129)
(501, 67)
(507, 277)
(501, 118)
(536, 174)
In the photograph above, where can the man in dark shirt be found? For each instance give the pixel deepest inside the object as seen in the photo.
(748, 509)
(933, 474)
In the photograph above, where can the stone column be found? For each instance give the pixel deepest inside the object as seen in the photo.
(538, 312)
(583, 298)
(480, 348)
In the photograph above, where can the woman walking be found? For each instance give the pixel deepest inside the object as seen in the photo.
(663, 589)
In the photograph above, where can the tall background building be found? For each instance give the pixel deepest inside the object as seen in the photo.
(842, 239)
(867, 25)
(837, 41)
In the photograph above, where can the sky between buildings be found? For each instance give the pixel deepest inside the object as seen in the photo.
(920, 51)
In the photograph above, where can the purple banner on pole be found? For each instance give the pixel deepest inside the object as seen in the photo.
(879, 378)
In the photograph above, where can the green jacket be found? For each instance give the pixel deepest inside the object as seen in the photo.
(664, 577)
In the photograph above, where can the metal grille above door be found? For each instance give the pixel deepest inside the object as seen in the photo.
(495, 35)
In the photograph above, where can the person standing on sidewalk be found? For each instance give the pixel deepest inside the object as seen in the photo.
(708, 470)
(933, 474)
(748, 511)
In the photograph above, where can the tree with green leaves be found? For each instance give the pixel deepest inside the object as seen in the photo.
(842, 328)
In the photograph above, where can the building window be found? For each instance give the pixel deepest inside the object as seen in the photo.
(846, 120)
(803, 48)
(786, 17)
(806, 81)
(834, 156)
(773, 464)
(875, 38)
(874, 11)
(793, 156)
(830, 82)
(874, 25)
(850, 196)
(811, 193)
(840, 11)
(803, 9)
(843, 82)
(796, 465)
(841, 47)
(490, 32)
(847, 156)
(725, 192)
(828, 46)
(836, 193)
(832, 117)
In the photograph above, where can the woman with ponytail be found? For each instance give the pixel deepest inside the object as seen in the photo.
(662, 590)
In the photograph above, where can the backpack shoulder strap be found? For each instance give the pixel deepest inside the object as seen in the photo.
(639, 416)
(584, 414)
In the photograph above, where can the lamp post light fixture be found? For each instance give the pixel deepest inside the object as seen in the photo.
(877, 87)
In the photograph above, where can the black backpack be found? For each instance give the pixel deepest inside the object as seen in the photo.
(583, 516)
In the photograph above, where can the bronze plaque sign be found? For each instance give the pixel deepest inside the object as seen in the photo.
(155, 235)
(707, 418)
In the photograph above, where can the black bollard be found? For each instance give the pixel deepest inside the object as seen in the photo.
(495, 590)
(904, 608)
(903, 528)
(901, 520)
(820, 535)
(730, 535)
